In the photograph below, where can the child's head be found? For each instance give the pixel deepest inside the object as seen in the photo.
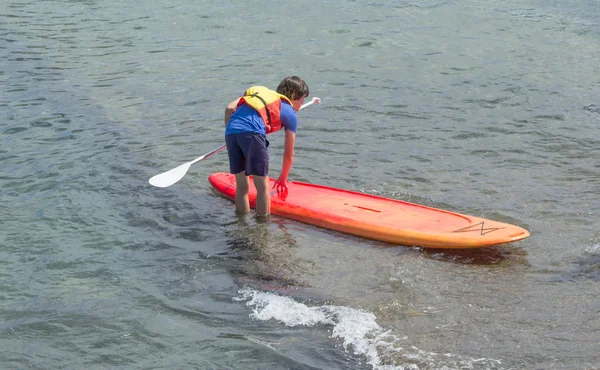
(293, 87)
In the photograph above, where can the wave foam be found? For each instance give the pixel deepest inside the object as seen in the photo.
(358, 331)
(594, 250)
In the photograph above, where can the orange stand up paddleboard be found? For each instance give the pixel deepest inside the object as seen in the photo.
(378, 218)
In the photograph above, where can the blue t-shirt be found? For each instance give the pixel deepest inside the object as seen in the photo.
(246, 119)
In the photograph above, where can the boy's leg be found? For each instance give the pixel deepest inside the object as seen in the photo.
(242, 205)
(258, 165)
(263, 197)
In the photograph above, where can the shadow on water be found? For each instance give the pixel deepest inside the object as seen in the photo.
(478, 256)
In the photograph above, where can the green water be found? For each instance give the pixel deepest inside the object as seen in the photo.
(482, 107)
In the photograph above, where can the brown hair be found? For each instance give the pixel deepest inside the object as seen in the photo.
(293, 87)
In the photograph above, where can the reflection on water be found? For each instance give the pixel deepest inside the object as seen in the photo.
(266, 247)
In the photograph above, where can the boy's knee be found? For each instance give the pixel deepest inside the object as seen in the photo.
(262, 184)
(241, 181)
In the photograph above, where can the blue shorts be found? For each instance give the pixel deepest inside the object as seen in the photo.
(248, 152)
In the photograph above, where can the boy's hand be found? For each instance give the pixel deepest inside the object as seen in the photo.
(281, 185)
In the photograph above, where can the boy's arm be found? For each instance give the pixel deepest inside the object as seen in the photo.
(230, 109)
(288, 159)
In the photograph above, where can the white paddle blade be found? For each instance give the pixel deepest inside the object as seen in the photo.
(170, 177)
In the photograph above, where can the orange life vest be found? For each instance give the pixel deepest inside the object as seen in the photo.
(268, 105)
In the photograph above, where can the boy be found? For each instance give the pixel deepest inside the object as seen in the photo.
(248, 120)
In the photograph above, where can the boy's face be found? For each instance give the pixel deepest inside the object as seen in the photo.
(297, 103)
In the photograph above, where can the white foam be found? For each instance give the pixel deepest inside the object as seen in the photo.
(270, 306)
(593, 249)
(357, 329)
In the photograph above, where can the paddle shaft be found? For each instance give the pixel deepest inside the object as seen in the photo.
(208, 155)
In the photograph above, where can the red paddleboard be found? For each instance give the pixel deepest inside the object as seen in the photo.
(378, 218)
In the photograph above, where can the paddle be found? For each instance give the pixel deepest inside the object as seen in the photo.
(170, 177)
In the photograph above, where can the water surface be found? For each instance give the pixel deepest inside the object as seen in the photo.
(485, 108)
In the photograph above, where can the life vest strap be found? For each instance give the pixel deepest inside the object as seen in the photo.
(255, 95)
